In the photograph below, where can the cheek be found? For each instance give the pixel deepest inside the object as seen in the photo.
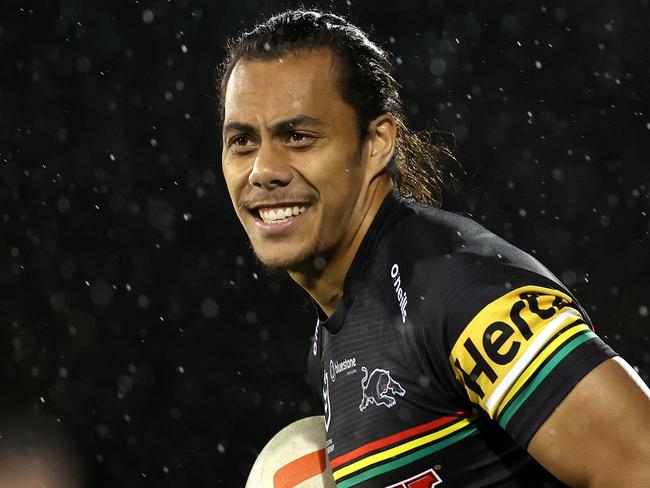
(339, 171)
(341, 195)
(233, 178)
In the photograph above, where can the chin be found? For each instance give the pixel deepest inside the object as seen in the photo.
(293, 260)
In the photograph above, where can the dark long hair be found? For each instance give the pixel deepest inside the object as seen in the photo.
(365, 81)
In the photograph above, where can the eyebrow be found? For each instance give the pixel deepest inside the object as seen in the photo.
(279, 127)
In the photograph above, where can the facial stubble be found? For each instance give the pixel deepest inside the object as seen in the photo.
(311, 259)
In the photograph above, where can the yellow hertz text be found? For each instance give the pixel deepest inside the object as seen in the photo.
(504, 337)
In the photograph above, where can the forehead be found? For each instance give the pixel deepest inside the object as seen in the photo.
(303, 83)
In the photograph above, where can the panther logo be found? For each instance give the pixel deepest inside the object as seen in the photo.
(376, 386)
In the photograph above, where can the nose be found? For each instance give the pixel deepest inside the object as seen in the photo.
(269, 169)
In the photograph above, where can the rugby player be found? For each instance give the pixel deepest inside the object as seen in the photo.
(443, 353)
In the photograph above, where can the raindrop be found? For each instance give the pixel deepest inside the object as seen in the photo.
(63, 204)
(209, 308)
(143, 301)
(561, 14)
(147, 16)
(569, 277)
(438, 67)
(319, 263)
(83, 65)
(124, 383)
(102, 431)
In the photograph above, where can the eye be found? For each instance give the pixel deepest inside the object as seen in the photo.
(241, 143)
(299, 139)
(296, 137)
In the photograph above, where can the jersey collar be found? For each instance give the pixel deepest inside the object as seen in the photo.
(360, 265)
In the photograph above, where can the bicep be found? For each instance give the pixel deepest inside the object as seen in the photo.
(599, 435)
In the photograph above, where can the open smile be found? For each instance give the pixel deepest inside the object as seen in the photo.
(281, 214)
(279, 218)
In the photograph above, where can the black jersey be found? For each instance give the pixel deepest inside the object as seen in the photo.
(448, 350)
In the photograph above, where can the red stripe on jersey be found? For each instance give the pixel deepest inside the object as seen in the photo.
(378, 444)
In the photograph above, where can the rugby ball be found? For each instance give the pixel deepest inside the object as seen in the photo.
(294, 458)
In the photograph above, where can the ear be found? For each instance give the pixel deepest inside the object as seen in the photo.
(382, 133)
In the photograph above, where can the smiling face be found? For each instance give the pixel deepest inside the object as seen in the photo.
(295, 166)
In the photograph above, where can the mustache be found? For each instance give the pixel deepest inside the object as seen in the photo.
(274, 197)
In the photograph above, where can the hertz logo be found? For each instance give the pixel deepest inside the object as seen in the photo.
(504, 337)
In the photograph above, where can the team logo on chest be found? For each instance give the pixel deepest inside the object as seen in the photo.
(378, 388)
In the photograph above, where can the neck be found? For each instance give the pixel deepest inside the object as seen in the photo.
(326, 285)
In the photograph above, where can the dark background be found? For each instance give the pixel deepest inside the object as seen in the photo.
(131, 310)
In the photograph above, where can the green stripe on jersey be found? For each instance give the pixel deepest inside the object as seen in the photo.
(398, 463)
(542, 374)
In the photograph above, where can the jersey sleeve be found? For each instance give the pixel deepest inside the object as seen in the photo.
(522, 353)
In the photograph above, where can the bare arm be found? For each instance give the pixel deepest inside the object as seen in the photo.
(599, 436)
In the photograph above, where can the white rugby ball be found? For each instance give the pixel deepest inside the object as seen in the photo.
(294, 458)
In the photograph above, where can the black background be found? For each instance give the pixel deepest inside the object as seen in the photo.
(131, 309)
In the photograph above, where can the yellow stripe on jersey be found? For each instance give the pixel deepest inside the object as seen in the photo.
(558, 342)
(402, 448)
(499, 343)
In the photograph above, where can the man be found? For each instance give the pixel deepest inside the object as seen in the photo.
(444, 354)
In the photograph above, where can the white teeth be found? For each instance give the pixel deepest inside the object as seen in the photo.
(280, 214)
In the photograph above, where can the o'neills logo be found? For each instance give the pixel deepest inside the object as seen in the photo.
(338, 367)
(402, 300)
